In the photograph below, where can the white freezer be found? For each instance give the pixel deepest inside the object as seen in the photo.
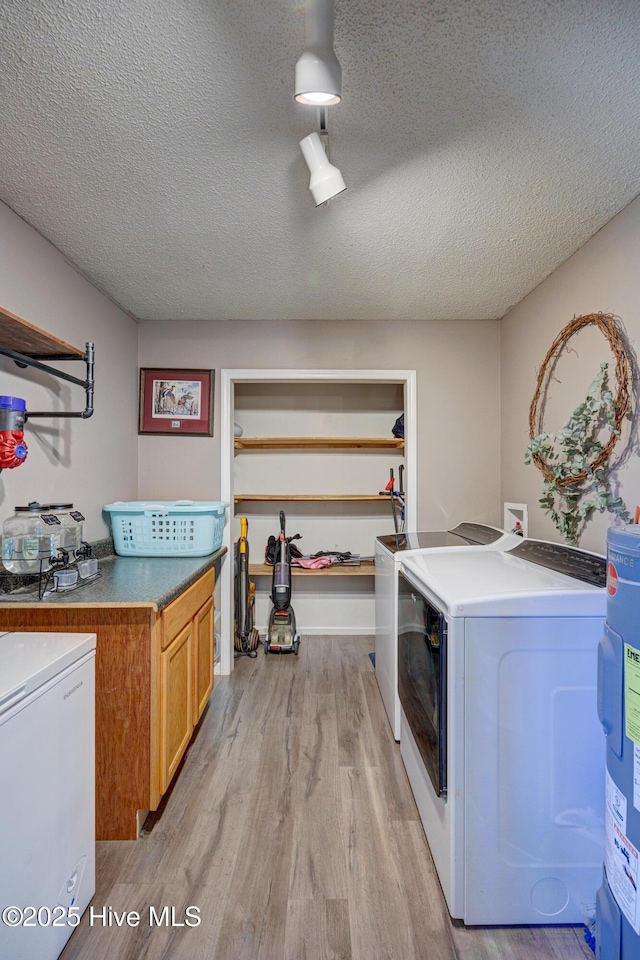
(47, 804)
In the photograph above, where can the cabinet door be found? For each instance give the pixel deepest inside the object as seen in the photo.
(176, 705)
(202, 658)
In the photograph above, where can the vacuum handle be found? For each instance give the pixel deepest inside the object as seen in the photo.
(244, 528)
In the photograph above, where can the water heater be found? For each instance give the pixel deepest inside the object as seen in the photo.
(617, 905)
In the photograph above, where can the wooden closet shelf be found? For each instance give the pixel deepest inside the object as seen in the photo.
(365, 569)
(318, 443)
(309, 497)
(23, 337)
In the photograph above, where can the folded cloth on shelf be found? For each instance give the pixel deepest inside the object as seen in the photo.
(313, 563)
(325, 558)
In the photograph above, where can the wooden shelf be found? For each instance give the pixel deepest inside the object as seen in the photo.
(318, 443)
(23, 337)
(365, 569)
(309, 497)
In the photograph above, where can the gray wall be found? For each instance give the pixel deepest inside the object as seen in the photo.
(457, 366)
(88, 462)
(475, 382)
(604, 275)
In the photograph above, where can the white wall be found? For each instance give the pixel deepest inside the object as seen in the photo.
(604, 275)
(457, 366)
(89, 462)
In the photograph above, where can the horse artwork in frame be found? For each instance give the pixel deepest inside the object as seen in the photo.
(178, 402)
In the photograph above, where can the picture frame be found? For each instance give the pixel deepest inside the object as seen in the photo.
(176, 402)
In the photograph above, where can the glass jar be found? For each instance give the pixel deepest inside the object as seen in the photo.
(29, 538)
(70, 531)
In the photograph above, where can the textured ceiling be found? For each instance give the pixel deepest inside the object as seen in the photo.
(155, 143)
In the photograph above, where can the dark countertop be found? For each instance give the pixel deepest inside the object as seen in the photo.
(127, 580)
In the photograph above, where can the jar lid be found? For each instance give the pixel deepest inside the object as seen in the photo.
(60, 506)
(33, 507)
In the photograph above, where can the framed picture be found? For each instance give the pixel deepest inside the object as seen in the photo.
(177, 402)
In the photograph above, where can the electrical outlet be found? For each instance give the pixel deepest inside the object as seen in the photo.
(516, 518)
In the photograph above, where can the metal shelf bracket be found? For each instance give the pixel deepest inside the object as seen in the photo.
(35, 360)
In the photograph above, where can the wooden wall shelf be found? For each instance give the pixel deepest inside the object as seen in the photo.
(23, 337)
(310, 497)
(318, 443)
(365, 569)
(27, 345)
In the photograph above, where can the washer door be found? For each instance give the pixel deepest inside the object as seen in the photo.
(422, 680)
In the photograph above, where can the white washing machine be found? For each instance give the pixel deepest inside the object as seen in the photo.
(47, 800)
(389, 551)
(500, 735)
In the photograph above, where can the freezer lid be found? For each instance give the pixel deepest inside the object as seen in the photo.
(27, 660)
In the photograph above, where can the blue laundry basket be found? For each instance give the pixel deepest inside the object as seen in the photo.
(167, 528)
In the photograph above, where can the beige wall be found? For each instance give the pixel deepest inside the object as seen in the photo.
(458, 400)
(88, 462)
(604, 275)
(464, 380)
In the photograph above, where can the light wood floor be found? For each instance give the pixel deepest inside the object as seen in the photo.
(293, 828)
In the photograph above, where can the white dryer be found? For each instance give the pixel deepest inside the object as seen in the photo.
(499, 727)
(389, 551)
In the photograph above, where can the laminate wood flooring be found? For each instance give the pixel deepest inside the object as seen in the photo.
(292, 828)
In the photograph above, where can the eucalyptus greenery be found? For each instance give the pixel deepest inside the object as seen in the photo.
(572, 450)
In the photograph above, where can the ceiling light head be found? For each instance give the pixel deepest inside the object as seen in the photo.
(326, 180)
(318, 74)
(318, 77)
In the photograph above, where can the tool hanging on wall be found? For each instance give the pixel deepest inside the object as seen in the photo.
(13, 410)
(396, 497)
(13, 449)
(401, 497)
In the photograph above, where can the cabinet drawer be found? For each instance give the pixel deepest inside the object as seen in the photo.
(178, 613)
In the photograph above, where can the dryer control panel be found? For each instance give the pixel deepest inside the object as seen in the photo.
(568, 560)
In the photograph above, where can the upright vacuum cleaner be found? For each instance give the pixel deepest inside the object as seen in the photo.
(281, 632)
(245, 638)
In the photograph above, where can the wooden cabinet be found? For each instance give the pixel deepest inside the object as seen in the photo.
(186, 672)
(154, 675)
(202, 659)
(176, 711)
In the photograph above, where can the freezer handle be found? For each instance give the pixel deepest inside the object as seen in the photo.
(12, 697)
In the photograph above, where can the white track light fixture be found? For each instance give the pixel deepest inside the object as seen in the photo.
(318, 80)
(326, 180)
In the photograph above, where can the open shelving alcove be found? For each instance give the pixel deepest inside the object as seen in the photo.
(317, 444)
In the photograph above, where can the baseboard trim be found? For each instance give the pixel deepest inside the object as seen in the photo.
(338, 632)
